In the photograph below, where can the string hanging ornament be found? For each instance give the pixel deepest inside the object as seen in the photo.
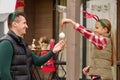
(62, 34)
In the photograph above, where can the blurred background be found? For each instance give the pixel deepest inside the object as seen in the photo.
(44, 19)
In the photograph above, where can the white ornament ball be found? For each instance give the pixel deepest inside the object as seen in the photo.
(62, 35)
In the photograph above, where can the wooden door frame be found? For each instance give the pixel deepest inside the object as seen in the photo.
(118, 40)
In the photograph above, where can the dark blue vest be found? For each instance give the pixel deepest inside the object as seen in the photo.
(21, 66)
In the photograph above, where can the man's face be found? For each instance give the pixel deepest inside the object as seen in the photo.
(20, 26)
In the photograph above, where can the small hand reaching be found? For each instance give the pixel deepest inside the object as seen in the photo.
(68, 21)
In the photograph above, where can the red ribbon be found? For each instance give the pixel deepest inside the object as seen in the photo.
(88, 15)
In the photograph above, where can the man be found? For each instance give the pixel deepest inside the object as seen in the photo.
(15, 58)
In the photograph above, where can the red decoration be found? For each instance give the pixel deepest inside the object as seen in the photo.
(49, 65)
(19, 3)
(88, 15)
(52, 43)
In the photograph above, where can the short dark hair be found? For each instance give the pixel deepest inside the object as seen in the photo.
(12, 17)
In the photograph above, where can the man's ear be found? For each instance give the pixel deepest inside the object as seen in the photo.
(14, 23)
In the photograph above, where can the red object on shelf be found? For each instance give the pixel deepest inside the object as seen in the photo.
(52, 43)
(49, 65)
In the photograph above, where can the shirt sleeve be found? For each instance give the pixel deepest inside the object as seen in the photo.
(40, 60)
(99, 41)
(6, 53)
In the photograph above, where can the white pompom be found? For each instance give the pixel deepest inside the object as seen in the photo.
(62, 35)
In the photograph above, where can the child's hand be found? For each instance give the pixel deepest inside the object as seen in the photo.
(86, 70)
(64, 21)
(68, 21)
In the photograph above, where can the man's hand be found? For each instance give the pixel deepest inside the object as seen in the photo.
(86, 70)
(59, 46)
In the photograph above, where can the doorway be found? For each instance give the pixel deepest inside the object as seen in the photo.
(39, 15)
